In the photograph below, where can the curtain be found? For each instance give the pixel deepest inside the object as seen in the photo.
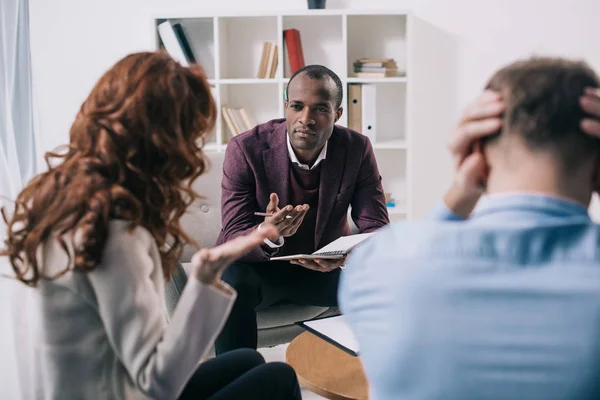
(17, 166)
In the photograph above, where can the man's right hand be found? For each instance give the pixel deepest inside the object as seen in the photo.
(482, 118)
(286, 226)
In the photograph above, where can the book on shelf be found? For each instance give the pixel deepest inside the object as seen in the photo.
(238, 120)
(263, 60)
(229, 120)
(175, 42)
(272, 65)
(268, 61)
(293, 45)
(375, 68)
(185, 44)
(248, 120)
(385, 74)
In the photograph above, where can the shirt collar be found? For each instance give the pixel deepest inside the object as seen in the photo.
(530, 203)
(295, 160)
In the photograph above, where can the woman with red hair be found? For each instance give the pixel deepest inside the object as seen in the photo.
(98, 233)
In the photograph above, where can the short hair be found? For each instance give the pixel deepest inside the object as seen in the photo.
(541, 96)
(319, 72)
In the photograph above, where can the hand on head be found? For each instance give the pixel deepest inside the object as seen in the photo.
(590, 103)
(286, 226)
(481, 119)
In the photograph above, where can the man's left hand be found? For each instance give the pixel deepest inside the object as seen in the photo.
(320, 265)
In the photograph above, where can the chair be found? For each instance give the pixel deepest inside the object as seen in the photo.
(202, 221)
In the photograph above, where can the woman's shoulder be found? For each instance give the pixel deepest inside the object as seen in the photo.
(126, 238)
(122, 233)
(128, 246)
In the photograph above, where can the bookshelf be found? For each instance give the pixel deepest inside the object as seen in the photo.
(414, 108)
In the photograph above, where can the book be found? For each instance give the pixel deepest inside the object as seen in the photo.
(376, 69)
(272, 62)
(359, 64)
(275, 62)
(293, 45)
(185, 44)
(375, 74)
(170, 41)
(376, 60)
(248, 120)
(335, 250)
(264, 60)
(228, 120)
(237, 120)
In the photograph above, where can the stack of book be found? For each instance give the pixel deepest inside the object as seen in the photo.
(238, 120)
(375, 68)
(268, 61)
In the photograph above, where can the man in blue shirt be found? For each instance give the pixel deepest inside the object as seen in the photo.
(497, 298)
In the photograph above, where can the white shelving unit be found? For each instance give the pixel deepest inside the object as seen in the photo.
(414, 110)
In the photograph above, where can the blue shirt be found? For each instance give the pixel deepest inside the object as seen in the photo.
(504, 305)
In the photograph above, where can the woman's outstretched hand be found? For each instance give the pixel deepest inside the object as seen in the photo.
(209, 264)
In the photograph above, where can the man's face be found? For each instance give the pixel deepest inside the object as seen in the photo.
(310, 111)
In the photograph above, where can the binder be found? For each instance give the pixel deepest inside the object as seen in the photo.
(355, 107)
(369, 112)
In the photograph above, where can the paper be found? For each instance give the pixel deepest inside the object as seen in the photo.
(337, 330)
(343, 244)
(334, 250)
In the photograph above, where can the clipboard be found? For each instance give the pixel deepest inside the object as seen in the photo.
(333, 330)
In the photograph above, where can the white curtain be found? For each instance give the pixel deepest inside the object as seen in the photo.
(17, 166)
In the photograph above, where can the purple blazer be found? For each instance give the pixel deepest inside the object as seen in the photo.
(257, 164)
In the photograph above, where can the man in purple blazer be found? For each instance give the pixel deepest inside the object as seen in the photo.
(305, 172)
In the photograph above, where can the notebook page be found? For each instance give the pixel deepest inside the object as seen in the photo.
(345, 243)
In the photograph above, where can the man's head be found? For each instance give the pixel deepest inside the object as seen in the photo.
(313, 105)
(540, 129)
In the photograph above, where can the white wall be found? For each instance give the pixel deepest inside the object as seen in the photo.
(75, 41)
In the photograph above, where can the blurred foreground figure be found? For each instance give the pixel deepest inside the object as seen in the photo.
(502, 300)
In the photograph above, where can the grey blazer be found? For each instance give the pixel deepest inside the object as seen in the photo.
(106, 335)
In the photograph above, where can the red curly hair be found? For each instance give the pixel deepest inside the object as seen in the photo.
(135, 148)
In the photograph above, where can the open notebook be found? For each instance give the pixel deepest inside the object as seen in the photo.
(334, 250)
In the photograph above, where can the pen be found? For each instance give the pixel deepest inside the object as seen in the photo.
(261, 214)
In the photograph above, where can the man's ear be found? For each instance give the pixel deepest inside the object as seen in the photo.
(338, 114)
(286, 104)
